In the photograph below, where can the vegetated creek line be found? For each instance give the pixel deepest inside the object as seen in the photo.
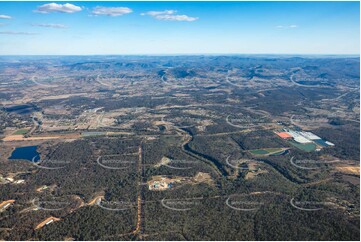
(210, 161)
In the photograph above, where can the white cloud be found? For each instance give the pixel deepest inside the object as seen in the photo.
(175, 18)
(58, 8)
(5, 17)
(292, 26)
(155, 13)
(111, 11)
(17, 33)
(55, 26)
(169, 15)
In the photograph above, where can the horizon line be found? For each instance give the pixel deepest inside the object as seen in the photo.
(188, 54)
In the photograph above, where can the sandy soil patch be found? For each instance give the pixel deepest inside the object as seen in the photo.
(355, 170)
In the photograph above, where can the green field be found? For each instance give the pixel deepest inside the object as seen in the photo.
(90, 134)
(305, 147)
(20, 131)
(265, 151)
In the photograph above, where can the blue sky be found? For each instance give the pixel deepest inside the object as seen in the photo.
(82, 28)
